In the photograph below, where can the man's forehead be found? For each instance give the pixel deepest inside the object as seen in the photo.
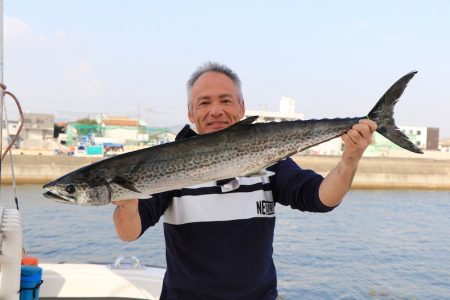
(222, 95)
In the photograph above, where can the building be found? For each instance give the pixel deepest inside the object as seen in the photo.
(426, 138)
(159, 136)
(115, 130)
(8, 134)
(123, 130)
(287, 105)
(37, 126)
(286, 113)
(444, 145)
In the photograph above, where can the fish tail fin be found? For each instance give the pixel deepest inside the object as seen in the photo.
(383, 114)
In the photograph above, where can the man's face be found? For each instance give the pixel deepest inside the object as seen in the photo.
(215, 103)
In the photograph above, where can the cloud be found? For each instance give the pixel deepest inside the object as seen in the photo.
(83, 81)
(20, 34)
(16, 29)
(50, 69)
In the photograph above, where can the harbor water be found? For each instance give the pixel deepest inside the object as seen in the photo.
(377, 244)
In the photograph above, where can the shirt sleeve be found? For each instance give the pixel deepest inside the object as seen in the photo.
(151, 209)
(296, 187)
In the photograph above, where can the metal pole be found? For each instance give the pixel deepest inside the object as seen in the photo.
(1, 84)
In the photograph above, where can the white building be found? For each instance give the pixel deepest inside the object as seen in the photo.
(286, 113)
(8, 134)
(37, 126)
(417, 135)
(287, 105)
(123, 130)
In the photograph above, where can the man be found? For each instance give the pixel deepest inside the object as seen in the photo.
(213, 250)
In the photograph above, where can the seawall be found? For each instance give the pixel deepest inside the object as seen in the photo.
(388, 172)
(373, 172)
(40, 169)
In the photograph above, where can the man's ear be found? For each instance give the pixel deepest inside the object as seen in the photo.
(243, 108)
(191, 117)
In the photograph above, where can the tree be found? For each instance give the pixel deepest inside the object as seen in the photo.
(86, 121)
(57, 129)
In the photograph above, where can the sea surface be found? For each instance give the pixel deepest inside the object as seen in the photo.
(378, 244)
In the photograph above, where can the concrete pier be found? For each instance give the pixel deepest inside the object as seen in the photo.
(40, 169)
(388, 172)
(373, 172)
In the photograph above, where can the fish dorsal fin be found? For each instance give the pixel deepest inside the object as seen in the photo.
(126, 184)
(246, 121)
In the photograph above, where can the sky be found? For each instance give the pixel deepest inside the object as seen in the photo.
(83, 58)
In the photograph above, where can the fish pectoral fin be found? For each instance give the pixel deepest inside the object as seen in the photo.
(260, 173)
(126, 184)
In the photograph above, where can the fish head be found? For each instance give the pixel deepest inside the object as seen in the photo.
(78, 192)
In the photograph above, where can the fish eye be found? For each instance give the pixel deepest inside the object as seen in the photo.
(70, 189)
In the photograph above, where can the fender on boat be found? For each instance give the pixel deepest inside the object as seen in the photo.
(10, 253)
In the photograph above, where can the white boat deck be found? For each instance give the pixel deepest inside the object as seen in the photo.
(92, 281)
(126, 278)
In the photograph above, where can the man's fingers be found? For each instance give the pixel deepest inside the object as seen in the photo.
(361, 131)
(360, 134)
(372, 125)
(347, 139)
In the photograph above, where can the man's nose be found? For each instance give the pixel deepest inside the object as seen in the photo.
(216, 110)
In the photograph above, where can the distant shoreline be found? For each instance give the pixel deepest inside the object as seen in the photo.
(373, 172)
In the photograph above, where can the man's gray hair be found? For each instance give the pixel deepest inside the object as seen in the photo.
(213, 67)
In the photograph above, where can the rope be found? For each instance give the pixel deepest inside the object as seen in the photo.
(3, 87)
(21, 122)
(12, 163)
(34, 289)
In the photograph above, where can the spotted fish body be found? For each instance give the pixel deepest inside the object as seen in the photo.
(242, 149)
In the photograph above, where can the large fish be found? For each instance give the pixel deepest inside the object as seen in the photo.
(243, 149)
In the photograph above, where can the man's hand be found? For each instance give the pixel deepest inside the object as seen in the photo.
(356, 140)
(127, 220)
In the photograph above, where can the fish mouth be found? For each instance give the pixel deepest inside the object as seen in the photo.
(56, 197)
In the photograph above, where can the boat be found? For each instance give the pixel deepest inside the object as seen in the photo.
(125, 278)
(116, 281)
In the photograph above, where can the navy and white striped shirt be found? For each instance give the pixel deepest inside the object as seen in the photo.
(219, 245)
